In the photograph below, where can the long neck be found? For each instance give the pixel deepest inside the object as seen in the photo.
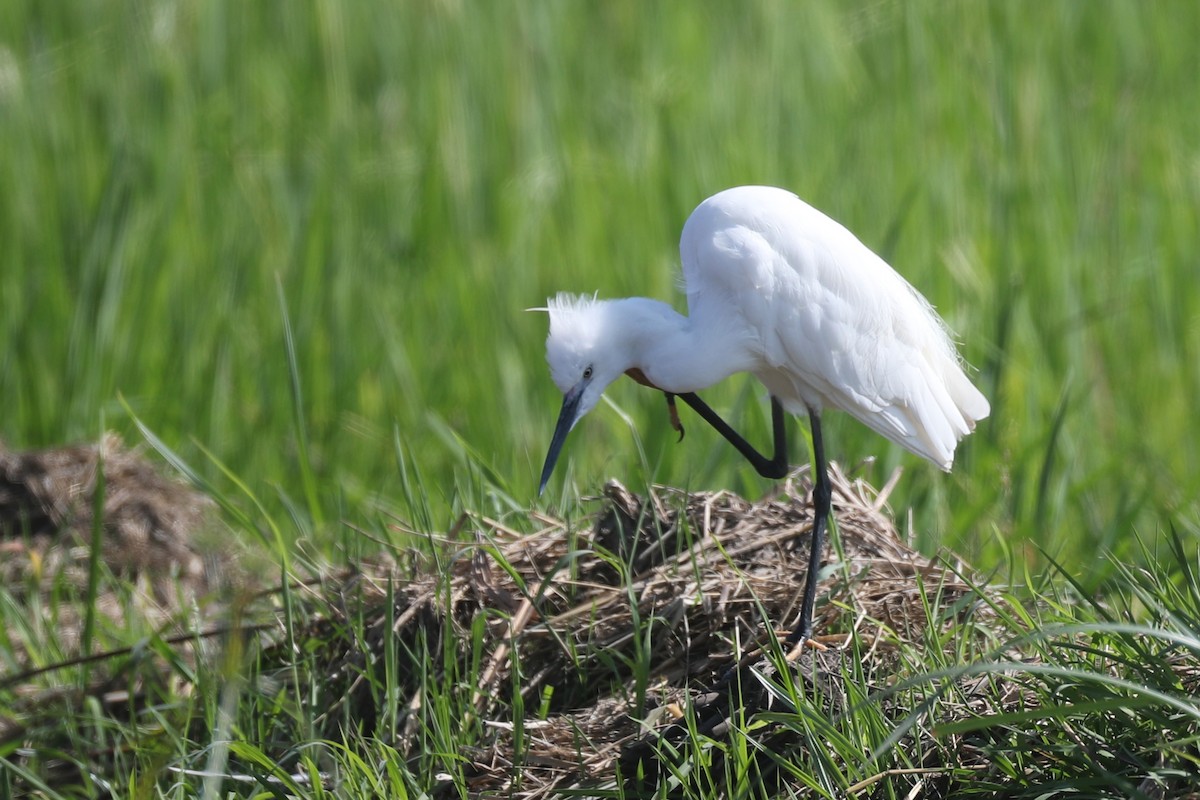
(680, 354)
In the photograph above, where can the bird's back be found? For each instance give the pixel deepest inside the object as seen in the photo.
(833, 325)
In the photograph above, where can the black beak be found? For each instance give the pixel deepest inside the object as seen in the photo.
(566, 421)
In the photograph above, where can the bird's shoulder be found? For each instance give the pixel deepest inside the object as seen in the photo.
(793, 255)
(818, 300)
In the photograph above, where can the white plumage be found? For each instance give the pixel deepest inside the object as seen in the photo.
(780, 290)
(829, 322)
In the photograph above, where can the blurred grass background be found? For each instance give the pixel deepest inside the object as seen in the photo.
(413, 176)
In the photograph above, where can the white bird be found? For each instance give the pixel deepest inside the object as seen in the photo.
(777, 289)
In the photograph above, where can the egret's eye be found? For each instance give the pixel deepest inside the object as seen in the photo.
(587, 372)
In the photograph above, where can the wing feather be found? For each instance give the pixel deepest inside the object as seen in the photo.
(835, 325)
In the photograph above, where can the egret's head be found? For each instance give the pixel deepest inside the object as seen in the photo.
(585, 356)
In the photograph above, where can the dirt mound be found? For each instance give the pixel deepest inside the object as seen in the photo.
(580, 653)
(571, 611)
(48, 502)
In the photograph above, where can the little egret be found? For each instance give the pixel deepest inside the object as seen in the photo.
(777, 289)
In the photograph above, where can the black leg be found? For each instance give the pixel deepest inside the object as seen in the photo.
(774, 467)
(822, 501)
(716, 716)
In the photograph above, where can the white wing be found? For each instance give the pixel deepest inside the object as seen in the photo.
(836, 325)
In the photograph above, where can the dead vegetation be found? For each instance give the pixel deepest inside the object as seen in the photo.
(48, 500)
(147, 528)
(569, 606)
(700, 571)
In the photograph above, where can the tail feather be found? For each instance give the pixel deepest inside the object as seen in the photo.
(932, 423)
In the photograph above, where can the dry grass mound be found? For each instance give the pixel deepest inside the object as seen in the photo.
(613, 629)
(146, 529)
(611, 656)
(700, 571)
(148, 522)
(48, 505)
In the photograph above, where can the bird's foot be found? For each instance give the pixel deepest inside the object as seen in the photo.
(673, 412)
(820, 643)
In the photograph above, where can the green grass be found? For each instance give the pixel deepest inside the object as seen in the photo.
(296, 241)
(1108, 706)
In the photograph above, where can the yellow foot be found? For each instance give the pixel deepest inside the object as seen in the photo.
(674, 415)
(821, 643)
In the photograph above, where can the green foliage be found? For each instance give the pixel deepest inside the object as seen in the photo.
(412, 176)
(296, 241)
